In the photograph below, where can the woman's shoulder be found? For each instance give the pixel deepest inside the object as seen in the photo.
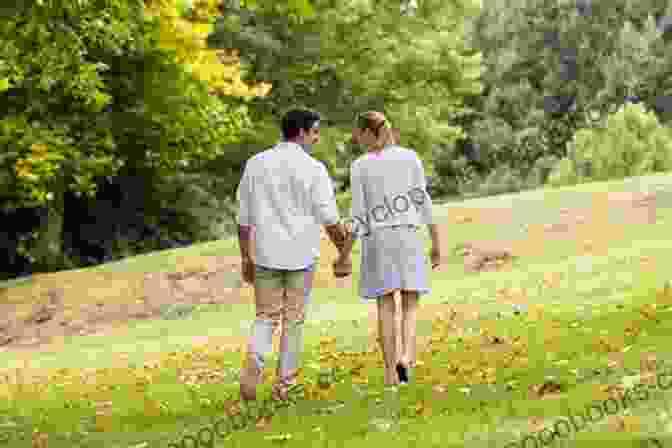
(405, 152)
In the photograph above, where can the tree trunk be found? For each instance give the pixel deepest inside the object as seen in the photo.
(48, 252)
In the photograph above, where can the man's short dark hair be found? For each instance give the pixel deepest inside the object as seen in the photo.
(297, 119)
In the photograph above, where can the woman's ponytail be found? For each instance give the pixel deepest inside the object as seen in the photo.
(380, 127)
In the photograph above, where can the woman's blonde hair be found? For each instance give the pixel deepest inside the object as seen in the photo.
(380, 126)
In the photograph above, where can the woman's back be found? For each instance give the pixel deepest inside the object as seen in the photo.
(389, 188)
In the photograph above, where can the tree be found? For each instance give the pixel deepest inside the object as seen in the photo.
(552, 67)
(86, 94)
(184, 27)
(343, 57)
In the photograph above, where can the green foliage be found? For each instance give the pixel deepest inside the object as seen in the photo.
(538, 175)
(548, 69)
(87, 94)
(412, 66)
(631, 143)
(57, 123)
(501, 180)
(203, 215)
(564, 174)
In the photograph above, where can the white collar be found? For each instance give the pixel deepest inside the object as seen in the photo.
(286, 144)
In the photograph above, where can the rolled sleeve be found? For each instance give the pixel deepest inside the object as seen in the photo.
(244, 197)
(425, 208)
(326, 210)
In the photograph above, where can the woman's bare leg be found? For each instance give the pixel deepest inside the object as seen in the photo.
(409, 313)
(387, 336)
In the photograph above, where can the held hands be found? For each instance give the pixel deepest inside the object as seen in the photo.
(342, 266)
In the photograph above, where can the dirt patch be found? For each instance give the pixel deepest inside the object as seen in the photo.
(60, 305)
(485, 256)
(81, 303)
(589, 230)
(84, 303)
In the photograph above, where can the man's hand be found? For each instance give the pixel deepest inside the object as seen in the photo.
(342, 267)
(435, 256)
(247, 269)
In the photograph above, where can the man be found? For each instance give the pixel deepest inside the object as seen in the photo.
(285, 195)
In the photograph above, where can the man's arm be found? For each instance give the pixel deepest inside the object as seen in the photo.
(246, 242)
(434, 234)
(246, 227)
(326, 210)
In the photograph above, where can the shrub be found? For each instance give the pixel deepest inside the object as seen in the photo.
(632, 142)
(501, 180)
(541, 171)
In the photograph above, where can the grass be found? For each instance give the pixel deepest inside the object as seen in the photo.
(469, 390)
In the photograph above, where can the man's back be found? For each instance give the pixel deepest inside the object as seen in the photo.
(286, 195)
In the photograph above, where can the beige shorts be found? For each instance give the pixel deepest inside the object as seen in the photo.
(282, 293)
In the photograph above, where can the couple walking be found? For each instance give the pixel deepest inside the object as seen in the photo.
(285, 196)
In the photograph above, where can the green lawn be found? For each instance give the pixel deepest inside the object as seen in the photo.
(598, 296)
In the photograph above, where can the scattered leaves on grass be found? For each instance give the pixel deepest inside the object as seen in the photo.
(40, 440)
(625, 423)
(547, 388)
(478, 360)
(279, 438)
(463, 219)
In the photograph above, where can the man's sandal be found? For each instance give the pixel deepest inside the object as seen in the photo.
(250, 377)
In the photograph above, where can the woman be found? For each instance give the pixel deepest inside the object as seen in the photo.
(390, 180)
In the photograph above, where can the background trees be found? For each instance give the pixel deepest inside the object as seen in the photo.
(552, 67)
(124, 126)
(88, 99)
(347, 56)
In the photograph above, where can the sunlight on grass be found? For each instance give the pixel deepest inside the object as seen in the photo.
(551, 335)
(484, 377)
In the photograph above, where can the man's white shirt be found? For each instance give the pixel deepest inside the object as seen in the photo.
(286, 195)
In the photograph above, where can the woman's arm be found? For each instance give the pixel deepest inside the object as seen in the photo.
(426, 211)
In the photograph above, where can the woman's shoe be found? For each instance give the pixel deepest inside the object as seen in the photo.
(402, 372)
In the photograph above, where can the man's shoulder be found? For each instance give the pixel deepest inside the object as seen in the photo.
(315, 166)
(299, 159)
(261, 158)
(359, 160)
(261, 155)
